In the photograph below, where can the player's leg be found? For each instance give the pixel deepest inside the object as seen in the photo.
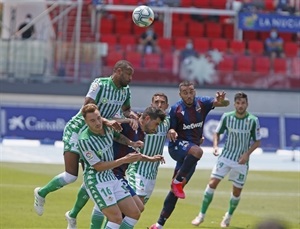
(82, 199)
(192, 154)
(97, 219)
(238, 176)
(220, 170)
(59, 181)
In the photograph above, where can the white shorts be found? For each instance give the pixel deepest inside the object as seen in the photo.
(108, 193)
(142, 186)
(237, 172)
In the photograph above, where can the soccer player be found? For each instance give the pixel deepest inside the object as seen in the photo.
(110, 195)
(142, 174)
(187, 119)
(110, 95)
(242, 138)
(148, 122)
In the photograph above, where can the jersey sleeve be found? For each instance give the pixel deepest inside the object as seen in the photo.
(255, 133)
(221, 127)
(94, 90)
(208, 102)
(88, 153)
(127, 101)
(172, 117)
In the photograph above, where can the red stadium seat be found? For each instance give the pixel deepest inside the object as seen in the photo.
(113, 57)
(255, 47)
(186, 3)
(213, 30)
(270, 5)
(167, 61)
(262, 65)
(279, 66)
(263, 35)
(202, 3)
(195, 29)
(249, 35)
(219, 44)
(125, 27)
(135, 58)
(228, 30)
(287, 37)
(158, 27)
(165, 44)
(295, 68)
(179, 29)
(218, 4)
(107, 26)
(201, 45)
(237, 47)
(180, 42)
(130, 2)
(119, 15)
(128, 42)
(152, 61)
(110, 39)
(244, 64)
(227, 64)
(290, 49)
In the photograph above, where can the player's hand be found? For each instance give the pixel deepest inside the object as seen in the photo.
(134, 124)
(220, 96)
(138, 144)
(114, 124)
(216, 151)
(132, 157)
(158, 158)
(172, 135)
(243, 159)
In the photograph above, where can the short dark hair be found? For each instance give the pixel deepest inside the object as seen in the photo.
(154, 113)
(185, 83)
(162, 95)
(88, 108)
(123, 64)
(240, 95)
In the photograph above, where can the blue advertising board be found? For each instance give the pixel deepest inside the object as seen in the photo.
(292, 127)
(48, 123)
(34, 122)
(266, 21)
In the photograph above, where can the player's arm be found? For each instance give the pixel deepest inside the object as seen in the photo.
(106, 165)
(122, 139)
(154, 158)
(255, 134)
(221, 127)
(221, 100)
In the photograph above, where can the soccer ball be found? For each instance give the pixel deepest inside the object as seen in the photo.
(143, 16)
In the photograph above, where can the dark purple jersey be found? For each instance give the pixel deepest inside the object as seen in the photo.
(121, 150)
(188, 122)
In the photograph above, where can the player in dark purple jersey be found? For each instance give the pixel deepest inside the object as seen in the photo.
(187, 118)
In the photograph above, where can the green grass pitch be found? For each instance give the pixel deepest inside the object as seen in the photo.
(266, 194)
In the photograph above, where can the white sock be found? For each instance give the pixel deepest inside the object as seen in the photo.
(111, 225)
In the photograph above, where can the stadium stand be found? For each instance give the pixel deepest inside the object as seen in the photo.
(240, 56)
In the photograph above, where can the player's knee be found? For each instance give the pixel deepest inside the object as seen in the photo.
(69, 178)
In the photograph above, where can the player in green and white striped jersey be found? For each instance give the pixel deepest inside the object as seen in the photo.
(141, 175)
(242, 138)
(110, 95)
(109, 194)
(95, 144)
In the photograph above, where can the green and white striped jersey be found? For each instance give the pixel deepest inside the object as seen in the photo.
(240, 132)
(153, 145)
(107, 97)
(95, 148)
